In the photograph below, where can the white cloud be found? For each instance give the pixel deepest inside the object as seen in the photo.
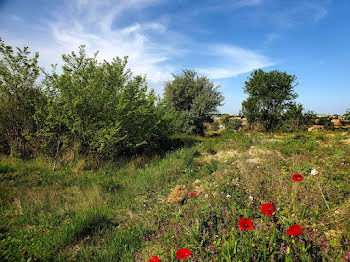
(233, 61)
(138, 41)
(151, 46)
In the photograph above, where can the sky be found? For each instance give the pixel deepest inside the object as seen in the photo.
(224, 40)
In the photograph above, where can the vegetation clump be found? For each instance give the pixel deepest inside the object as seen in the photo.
(194, 98)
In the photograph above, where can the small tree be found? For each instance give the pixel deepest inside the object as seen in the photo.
(270, 95)
(194, 98)
(19, 97)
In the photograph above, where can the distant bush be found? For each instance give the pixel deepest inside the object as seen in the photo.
(225, 118)
(294, 119)
(234, 124)
(347, 114)
(214, 126)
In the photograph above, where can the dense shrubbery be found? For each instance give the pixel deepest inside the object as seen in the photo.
(90, 108)
(100, 108)
(19, 98)
(295, 119)
(234, 124)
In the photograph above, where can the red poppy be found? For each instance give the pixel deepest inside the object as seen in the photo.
(193, 194)
(267, 209)
(183, 253)
(245, 224)
(154, 259)
(297, 177)
(294, 230)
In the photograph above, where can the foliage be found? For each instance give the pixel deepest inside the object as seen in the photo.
(347, 114)
(295, 119)
(270, 95)
(234, 124)
(100, 108)
(194, 98)
(225, 118)
(214, 126)
(19, 98)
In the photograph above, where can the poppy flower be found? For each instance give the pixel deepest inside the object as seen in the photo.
(294, 230)
(267, 209)
(193, 194)
(154, 259)
(297, 177)
(245, 224)
(183, 253)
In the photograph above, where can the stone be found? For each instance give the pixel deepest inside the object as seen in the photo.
(336, 122)
(178, 195)
(315, 128)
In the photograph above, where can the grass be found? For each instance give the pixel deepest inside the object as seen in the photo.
(120, 213)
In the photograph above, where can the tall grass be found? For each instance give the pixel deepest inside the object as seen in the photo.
(120, 211)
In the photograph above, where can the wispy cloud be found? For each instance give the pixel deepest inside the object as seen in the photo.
(271, 37)
(233, 61)
(153, 49)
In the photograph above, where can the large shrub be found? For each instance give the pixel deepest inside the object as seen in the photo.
(295, 119)
(100, 108)
(234, 125)
(194, 98)
(20, 96)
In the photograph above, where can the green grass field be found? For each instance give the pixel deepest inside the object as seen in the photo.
(121, 213)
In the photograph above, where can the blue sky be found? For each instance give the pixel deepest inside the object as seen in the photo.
(224, 40)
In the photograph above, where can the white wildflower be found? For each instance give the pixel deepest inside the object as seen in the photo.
(228, 196)
(336, 212)
(206, 196)
(314, 172)
(251, 198)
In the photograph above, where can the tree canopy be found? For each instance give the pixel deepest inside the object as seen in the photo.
(194, 98)
(270, 95)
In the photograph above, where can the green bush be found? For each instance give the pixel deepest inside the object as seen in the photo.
(20, 96)
(214, 126)
(194, 98)
(234, 125)
(100, 108)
